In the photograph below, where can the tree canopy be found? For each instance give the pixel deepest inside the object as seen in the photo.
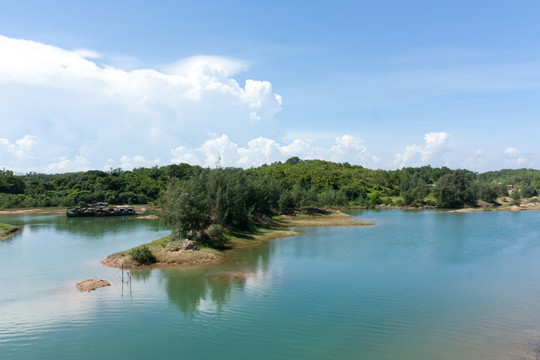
(237, 194)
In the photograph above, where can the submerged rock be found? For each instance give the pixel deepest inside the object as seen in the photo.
(92, 284)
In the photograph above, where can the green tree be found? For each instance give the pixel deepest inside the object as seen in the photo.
(187, 208)
(413, 189)
(488, 192)
(11, 184)
(455, 189)
(528, 191)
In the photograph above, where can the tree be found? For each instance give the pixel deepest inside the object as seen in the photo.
(228, 193)
(413, 189)
(488, 192)
(187, 208)
(516, 196)
(10, 183)
(293, 160)
(528, 191)
(454, 190)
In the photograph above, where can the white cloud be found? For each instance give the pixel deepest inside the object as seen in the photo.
(88, 54)
(136, 161)
(18, 151)
(221, 150)
(350, 147)
(475, 162)
(512, 152)
(98, 111)
(417, 155)
(64, 165)
(515, 158)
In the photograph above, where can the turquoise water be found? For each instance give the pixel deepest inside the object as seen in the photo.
(417, 285)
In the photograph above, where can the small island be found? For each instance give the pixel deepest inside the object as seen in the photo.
(7, 230)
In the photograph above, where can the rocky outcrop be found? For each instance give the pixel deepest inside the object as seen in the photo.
(92, 284)
(180, 246)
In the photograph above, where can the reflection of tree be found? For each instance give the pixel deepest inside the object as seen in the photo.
(213, 285)
(257, 258)
(141, 274)
(220, 290)
(186, 290)
(88, 227)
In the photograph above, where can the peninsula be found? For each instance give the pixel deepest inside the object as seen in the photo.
(171, 251)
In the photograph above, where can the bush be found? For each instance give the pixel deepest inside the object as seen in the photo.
(142, 255)
(216, 237)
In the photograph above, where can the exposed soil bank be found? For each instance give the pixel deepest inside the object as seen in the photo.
(168, 254)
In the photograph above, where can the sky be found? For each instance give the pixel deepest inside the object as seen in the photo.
(383, 84)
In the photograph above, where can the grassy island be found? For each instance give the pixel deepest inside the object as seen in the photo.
(7, 230)
(167, 250)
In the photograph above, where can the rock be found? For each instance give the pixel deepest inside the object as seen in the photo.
(189, 245)
(92, 284)
(180, 246)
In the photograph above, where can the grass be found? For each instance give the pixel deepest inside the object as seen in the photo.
(278, 228)
(160, 249)
(7, 230)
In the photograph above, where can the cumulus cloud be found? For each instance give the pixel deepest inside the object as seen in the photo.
(64, 165)
(475, 162)
(221, 150)
(20, 150)
(94, 111)
(515, 158)
(137, 161)
(435, 143)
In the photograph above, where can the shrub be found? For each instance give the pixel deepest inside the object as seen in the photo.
(216, 237)
(142, 255)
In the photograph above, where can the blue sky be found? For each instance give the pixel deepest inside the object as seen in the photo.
(383, 84)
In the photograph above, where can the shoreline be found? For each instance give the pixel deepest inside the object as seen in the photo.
(504, 204)
(167, 254)
(139, 209)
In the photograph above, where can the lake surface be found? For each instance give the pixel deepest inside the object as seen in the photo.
(417, 285)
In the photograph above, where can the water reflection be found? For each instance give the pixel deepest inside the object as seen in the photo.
(86, 227)
(141, 274)
(210, 288)
(188, 290)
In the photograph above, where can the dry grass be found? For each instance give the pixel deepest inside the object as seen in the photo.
(164, 256)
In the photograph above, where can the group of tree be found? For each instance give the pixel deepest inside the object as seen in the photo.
(213, 202)
(236, 195)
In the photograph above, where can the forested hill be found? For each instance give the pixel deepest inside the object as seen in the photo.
(294, 183)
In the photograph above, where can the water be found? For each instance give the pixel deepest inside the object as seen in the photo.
(417, 285)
